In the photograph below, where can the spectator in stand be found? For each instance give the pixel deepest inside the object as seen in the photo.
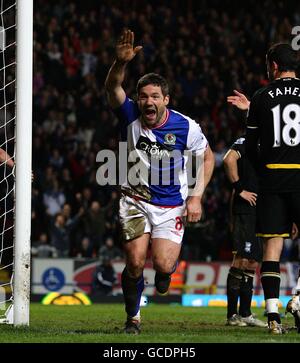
(60, 235)
(85, 248)
(94, 221)
(56, 159)
(42, 249)
(84, 198)
(54, 199)
(109, 250)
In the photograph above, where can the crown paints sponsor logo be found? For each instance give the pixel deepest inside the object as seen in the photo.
(154, 150)
(150, 162)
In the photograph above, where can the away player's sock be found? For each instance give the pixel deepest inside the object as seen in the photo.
(234, 279)
(246, 293)
(270, 280)
(132, 292)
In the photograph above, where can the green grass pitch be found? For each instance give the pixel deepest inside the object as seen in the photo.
(101, 323)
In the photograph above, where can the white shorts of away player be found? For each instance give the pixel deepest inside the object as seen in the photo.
(138, 217)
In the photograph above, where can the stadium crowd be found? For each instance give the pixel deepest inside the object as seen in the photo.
(205, 49)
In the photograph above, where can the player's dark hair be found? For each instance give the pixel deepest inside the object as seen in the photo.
(154, 79)
(284, 56)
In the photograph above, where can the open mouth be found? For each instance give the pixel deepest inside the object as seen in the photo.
(150, 113)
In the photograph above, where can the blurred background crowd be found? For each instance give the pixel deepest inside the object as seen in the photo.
(205, 49)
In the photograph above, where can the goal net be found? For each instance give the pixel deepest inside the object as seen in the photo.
(15, 159)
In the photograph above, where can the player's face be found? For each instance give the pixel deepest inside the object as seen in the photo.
(152, 104)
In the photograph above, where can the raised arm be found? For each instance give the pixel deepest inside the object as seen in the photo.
(125, 52)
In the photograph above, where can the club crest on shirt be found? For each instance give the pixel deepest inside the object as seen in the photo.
(170, 139)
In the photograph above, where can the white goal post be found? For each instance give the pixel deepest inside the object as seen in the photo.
(21, 283)
(17, 304)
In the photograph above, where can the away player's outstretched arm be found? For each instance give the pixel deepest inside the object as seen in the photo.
(239, 100)
(125, 52)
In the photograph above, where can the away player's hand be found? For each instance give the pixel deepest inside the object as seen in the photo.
(249, 197)
(239, 100)
(125, 50)
(193, 210)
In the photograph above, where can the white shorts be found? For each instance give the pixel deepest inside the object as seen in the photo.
(138, 217)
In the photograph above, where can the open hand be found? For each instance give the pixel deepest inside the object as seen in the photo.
(125, 50)
(239, 100)
(249, 197)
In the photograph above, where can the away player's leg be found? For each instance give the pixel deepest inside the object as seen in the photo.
(273, 225)
(246, 294)
(240, 286)
(270, 279)
(234, 281)
(247, 250)
(240, 234)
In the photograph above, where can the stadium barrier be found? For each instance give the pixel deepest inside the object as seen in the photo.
(221, 300)
(75, 275)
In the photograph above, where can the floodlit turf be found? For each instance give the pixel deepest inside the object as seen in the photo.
(161, 324)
